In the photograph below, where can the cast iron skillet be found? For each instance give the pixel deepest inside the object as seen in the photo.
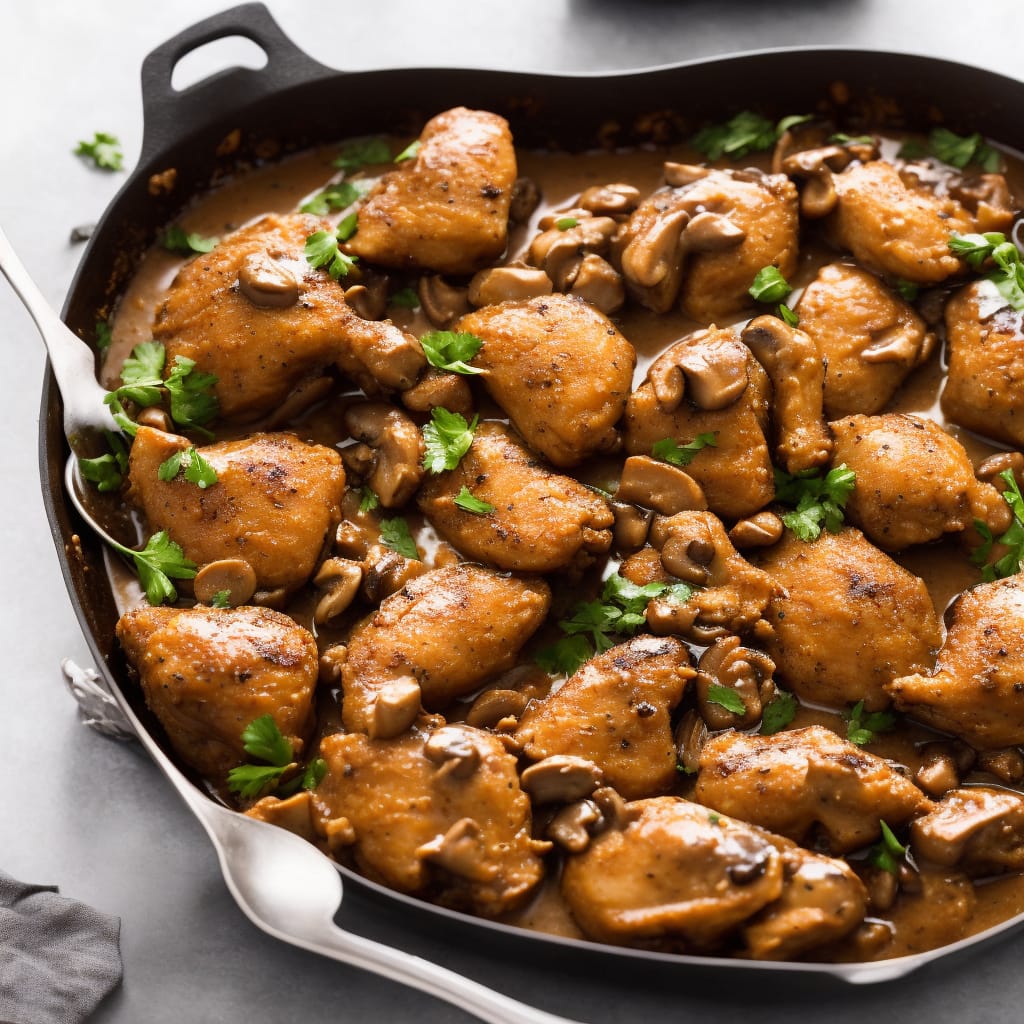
(295, 102)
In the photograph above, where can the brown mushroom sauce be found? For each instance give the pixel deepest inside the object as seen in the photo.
(629, 804)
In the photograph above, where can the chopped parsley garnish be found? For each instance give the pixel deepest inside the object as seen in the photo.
(819, 501)
(104, 337)
(368, 500)
(745, 133)
(788, 315)
(360, 152)
(769, 285)
(335, 197)
(564, 223)
(1012, 539)
(347, 227)
(447, 437)
(107, 471)
(468, 502)
(394, 534)
(404, 298)
(907, 290)
(861, 727)
(196, 469)
(619, 612)
(888, 853)
(726, 698)
(193, 403)
(104, 151)
(322, 250)
(222, 599)
(409, 153)
(177, 239)
(842, 139)
(778, 713)
(669, 450)
(961, 150)
(1008, 275)
(142, 374)
(262, 740)
(451, 350)
(160, 561)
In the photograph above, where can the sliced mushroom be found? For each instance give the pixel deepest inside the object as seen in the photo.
(711, 232)
(653, 256)
(385, 572)
(757, 531)
(711, 383)
(659, 485)
(600, 284)
(454, 749)
(1007, 765)
(268, 283)
(459, 851)
(990, 468)
(155, 417)
(678, 175)
(632, 524)
(561, 778)
(690, 734)
(561, 253)
(341, 578)
(791, 359)
(504, 284)
(436, 388)
(441, 302)
(688, 559)
(231, 576)
(938, 773)
(496, 709)
(738, 669)
(610, 200)
(369, 298)
(571, 828)
(395, 707)
(398, 449)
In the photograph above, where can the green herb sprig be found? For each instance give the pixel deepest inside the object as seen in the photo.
(262, 739)
(819, 500)
(395, 534)
(862, 726)
(889, 853)
(1012, 538)
(992, 249)
(447, 437)
(668, 449)
(104, 150)
(193, 466)
(321, 250)
(177, 239)
(745, 133)
(451, 350)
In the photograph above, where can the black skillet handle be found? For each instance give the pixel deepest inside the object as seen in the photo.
(166, 110)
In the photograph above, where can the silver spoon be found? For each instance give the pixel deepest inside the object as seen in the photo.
(282, 883)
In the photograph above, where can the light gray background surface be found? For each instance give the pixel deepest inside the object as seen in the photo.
(95, 817)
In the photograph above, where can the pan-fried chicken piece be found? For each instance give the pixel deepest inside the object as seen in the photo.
(437, 811)
(709, 383)
(976, 689)
(731, 595)
(914, 483)
(895, 226)
(848, 619)
(615, 713)
(438, 638)
(541, 522)
(275, 505)
(559, 368)
(985, 349)
(674, 876)
(256, 314)
(705, 239)
(795, 780)
(446, 209)
(207, 673)
(868, 337)
(976, 829)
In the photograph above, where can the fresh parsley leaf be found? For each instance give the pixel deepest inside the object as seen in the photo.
(447, 437)
(250, 781)
(197, 470)
(842, 139)
(360, 152)
(726, 698)
(368, 500)
(669, 450)
(405, 298)
(861, 727)
(409, 153)
(394, 534)
(193, 403)
(564, 223)
(819, 500)
(314, 773)
(222, 599)
(468, 502)
(779, 712)
(121, 418)
(566, 656)
(263, 740)
(1008, 275)
(961, 150)
(321, 250)
(142, 374)
(907, 290)
(347, 227)
(745, 133)
(104, 151)
(177, 239)
(788, 316)
(888, 853)
(1012, 539)
(104, 337)
(338, 196)
(103, 471)
(449, 350)
(769, 285)
(975, 248)
(160, 561)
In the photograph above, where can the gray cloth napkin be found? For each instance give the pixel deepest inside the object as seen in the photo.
(58, 957)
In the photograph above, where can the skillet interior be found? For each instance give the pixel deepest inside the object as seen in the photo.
(295, 102)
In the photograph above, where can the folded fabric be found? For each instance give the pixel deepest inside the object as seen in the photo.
(58, 957)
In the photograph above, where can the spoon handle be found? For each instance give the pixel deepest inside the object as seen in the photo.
(72, 360)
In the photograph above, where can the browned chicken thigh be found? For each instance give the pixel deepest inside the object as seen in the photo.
(709, 384)
(207, 673)
(275, 505)
(437, 811)
(255, 313)
(914, 481)
(446, 208)
(847, 620)
(559, 368)
(795, 780)
(615, 713)
(977, 688)
(541, 521)
(985, 349)
(440, 637)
